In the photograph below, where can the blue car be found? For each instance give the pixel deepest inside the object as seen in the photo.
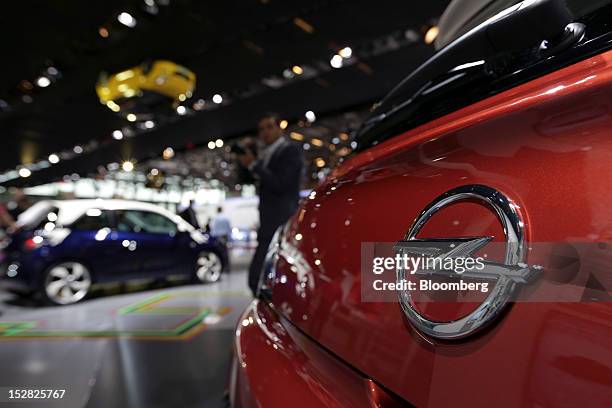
(63, 248)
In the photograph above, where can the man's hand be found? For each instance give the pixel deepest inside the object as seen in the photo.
(247, 158)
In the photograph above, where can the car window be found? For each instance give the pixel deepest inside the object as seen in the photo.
(144, 221)
(94, 219)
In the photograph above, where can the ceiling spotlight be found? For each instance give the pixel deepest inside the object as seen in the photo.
(168, 153)
(151, 7)
(154, 172)
(52, 71)
(304, 25)
(117, 134)
(296, 136)
(127, 166)
(199, 104)
(346, 52)
(288, 73)
(149, 124)
(297, 70)
(126, 19)
(131, 117)
(310, 116)
(43, 82)
(77, 149)
(412, 35)
(54, 158)
(336, 61)
(217, 98)
(211, 145)
(283, 124)
(113, 106)
(24, 172)
(103, 32)
(181, 110)
(26, 85)
(431, 34)
(316, 142)
(219, 143)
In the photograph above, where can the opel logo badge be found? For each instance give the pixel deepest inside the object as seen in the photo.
(507, 276)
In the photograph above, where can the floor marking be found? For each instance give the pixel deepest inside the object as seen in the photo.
(144, 303)
(186, 329)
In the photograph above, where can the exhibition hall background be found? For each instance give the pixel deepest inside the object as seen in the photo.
(145, 101)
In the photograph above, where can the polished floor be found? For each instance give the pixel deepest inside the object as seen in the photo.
(138, 347)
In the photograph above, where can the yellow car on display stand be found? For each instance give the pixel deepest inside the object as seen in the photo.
(151, 82)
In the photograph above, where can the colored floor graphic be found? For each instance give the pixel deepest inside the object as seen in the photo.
(192, 323)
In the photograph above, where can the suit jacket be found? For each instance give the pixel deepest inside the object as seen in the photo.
(279, 186)
(190, 216)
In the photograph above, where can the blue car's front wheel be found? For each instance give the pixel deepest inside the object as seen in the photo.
(66, 283)
(208, 267)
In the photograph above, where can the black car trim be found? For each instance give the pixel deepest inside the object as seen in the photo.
(498, 73)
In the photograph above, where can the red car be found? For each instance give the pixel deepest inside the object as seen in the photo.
(505, 134)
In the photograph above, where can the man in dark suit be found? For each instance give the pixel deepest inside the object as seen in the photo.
(279, 172)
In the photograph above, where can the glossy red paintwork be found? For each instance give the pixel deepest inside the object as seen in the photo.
(547, 145)
(276, 365)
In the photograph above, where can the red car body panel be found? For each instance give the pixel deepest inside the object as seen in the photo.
(547, 146)
(276, 365)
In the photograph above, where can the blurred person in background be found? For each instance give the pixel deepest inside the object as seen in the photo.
(220, 226)
(7, 226)
(189, 215)
(278, 171)
(19, 204)
(7, 222)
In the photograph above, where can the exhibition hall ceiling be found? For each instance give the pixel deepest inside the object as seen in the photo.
(257, 55)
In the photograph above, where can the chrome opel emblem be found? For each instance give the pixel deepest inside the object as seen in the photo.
(507, 276)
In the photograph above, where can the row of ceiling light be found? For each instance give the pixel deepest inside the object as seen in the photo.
(340, 59)
(127, 165)
(45, 78)
(126, 19)
(168, 153)
(337, 61)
